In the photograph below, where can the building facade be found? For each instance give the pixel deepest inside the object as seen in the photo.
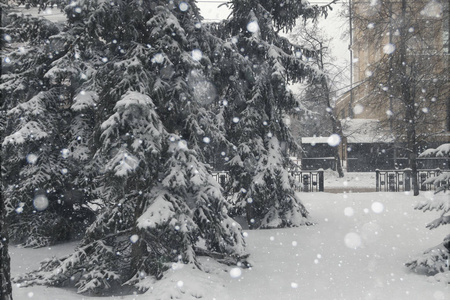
(400, 73)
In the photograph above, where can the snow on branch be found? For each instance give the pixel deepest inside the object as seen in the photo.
(35, 106)
(123, 163)
(157, 214)
(30, 131)
(441, 151)
(84, 100)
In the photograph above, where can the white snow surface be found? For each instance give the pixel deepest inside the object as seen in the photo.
(352, 182)
(355, 251)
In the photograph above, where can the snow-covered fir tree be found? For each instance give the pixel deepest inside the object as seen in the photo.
(435, 261)
(5, 265)
(145, 116)
(36, 86)
(259, 101)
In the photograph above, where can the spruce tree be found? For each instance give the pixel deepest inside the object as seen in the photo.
(435, 261)
(5, 265)
(259, 162)
(41, 202)
(148, 89)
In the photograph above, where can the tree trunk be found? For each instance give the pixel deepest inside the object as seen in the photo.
(413, 164)
(337, 158)
(138, 248)
(336, 127)
(5, 268)
(251, 216)
(408, 100)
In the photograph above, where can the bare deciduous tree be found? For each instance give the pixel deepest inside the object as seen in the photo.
(319, 94)
(403, 51)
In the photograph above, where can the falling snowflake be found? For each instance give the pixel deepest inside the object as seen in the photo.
(40, 202)
(197, 54)
(183, 6)
(134, 238)
(235, 272)
(433, 9)
(253, 26)
(352, 240)
(32, 158)
(358, 109)
(334, 140)
(377, 207)
(65, 153)
(158, 58)
(389, 48)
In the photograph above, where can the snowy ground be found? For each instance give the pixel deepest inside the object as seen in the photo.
(355, 251)
(351, 182)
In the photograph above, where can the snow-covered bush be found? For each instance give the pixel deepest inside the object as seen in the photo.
(435, 261)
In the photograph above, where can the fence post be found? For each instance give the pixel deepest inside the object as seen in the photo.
(407, 180)
(377, 179)
(321, 180)
(423, 177)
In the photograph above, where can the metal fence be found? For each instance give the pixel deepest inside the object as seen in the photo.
(309, 181)
(306, 181)
(222, 177)
(400, 180)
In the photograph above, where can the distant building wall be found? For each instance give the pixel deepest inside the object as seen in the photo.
(365, 101)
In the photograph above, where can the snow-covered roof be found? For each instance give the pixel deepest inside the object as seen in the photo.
(364, 131)
(315, 140)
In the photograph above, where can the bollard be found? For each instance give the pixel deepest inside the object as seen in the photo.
(377, 178)
(408, 180)
(306, 183)
(423, 177)
(321, 180)
(222, 181)
(391, 183)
